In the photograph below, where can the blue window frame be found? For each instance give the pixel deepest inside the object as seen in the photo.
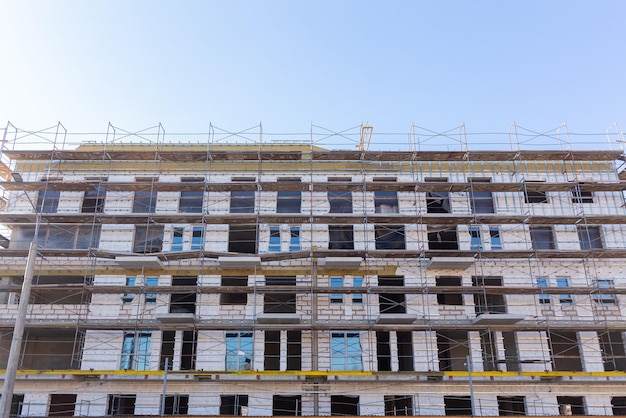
(294, 240)
(151, 297)
(496, 242)
(357, 298)
(197, 238)
(604, 298)
(274, 246)
(136, 351)
(128, 297)
(346, 351)
(177, 239)
(336, 298)
(543, 298)
(239, 350)
(476, 243)
(564, 299)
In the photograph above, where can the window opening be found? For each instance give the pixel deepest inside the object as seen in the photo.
(486, 302)
(280, 302)
(289, 201)
(136, 351)
(619, 405)
(272, 350)
(604, 298)
(437, 201)
(346, 351)
(391, 303)
(511, 405)
(612, 348)
(197, 238)
(581, 196)
(399, 405)
(274, 245)
(145, 200)
(121, 405)
(168, 339)
(48, 201)
(148, 239)
(481, 201)
(183, 302)
(294, 350)
(191, 200)
(341, 237)
(93, 200)
(564, 351)
(336, 298)
(176, 404)
(385, 202)
(357, 298)
(234, 405)
(542, 282)
(177, 239)
(242, 239)
(564, 299)
(239, 350)
(532, 195)
(542, 238)
(571, 405)
(237, 297)
(476, 242)
(286, 405)
(340, 202)
(344, 405)
(457, 405)
(442, 238)
(453, 349)
(242, 201)
(390, 237)
(589, 237)
(455, 299)
(383, 351)
(128, 297)
(405, 351)
(62, 404)
(66, 237)
(294, 238)
(496, 241)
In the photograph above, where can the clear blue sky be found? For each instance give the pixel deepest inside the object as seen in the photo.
(335, 64)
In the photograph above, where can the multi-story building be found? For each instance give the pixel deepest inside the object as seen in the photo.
(288, 279)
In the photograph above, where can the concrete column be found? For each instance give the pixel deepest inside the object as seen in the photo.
(393, 346)
(590, 352)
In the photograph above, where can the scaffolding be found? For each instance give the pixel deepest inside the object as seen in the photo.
(428, 254)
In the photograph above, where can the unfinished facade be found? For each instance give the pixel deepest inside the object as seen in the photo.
(290, 279)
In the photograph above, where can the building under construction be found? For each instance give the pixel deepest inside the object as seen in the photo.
(260, 277)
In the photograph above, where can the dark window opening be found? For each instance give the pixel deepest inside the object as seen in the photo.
(294, 350)
(486, 302)
(176, 405)
(437, 201)
(340, 202)
(564, 351)
(589, 237)
(571, 405)
(17, 401)
(51, 295)
(398, 405)
(234, 405)
(64, 237)
(453, 349)
(344, 405)
(148, 239)
(481, 201)
(581, 196)
(489, 350)
(121, 405)
(383, 351)
(511, 405)
(286, 405)
(511, 355)
(234, 298)
(532, 195)
(289, 201)
(386, 202)
(542, 238)
(272, 350)
(619, 405)
(280, 302)
(168, 339)
(48, 201)
(191, 201)
(93, 200)
(449, 298)
(242, 201)
(391, 303)
(612, 348)
(340, 237)
(405, 351)
(188, 350)
(146, 199)
(242, 239)
(183, 302)
(62, 404)
(390, 237)
(442, 238)
(457, 405)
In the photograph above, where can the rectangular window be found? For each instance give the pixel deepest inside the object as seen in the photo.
(234, 405)
(59, 236)
(399, 405)
(242, 201)
(565, 351)
(481, 201)
(177, 239)
(294, 238)
(93, 200)
(579, 195)
(357, 298)
(386, 202)
(344, 405)
(390, 237)
(286, 405)
(136, 351)
(280, 302)
(340, 237)
(128, 297)
(453, 349)
(442, 237)
(197, 238)
(289, 201)
(542, 238)
(272, 350)
(589, 237)
(532, 195)
(457, 405)
(336, 298)
(612, 349)
(564, 299)
(121, 405)
(145, 198)
(340, 202)
(274, 246)
(61, 405)
(437, 201)
(242, 239)
(383, 351)
(239, 351)
(48, 201)
(496, 242)
(151, 298)
(183, 302)
(604, 298)
(234, 298)
(148, 239)
(176, 405)
(485, 302)
(511, 406)
(191, 200)
(449, 298)
(405, 350)
(543, 298)
(391, 303)
(294, 350)
(476, 241)
(571, 405)
(346, 351)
